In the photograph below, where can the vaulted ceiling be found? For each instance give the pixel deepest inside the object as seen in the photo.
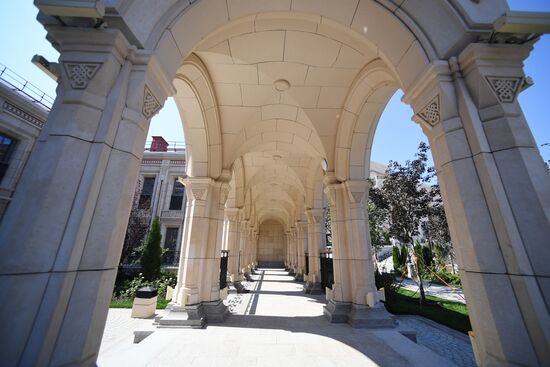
(280, 86)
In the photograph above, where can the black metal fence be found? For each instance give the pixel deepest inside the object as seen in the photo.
(307, 263)
(327, 270)
(170, 258)
(223, 268)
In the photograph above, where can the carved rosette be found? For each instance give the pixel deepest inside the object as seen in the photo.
(151, 105)
(505, 88)
(431, 112)
(80, 73)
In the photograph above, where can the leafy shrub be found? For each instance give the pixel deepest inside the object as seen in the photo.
(452, 279)
(386, 281)
(129, 288)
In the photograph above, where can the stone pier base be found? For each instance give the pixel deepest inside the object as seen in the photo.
(194, 316)
(190, 316)
(359, 316)
(313, 288)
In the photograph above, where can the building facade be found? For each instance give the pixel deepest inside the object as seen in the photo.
(159, 192)
(24, 109)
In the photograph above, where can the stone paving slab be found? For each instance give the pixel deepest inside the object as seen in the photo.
(275, 324)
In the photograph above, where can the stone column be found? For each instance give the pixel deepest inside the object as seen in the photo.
(355, 298)
(62, 234)
(249, 248)
(243, 241)
(301, 248)
(496, 193)
(293, 251)
(315, 228)
(232, 217)
(197, 294)
(255, 248)
(288, 256)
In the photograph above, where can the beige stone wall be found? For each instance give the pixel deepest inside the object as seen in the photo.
(270, 242)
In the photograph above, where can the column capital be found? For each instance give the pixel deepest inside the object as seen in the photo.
(197, 187)
(494, 73)
(357, 190)
(315, 215)
(432, 97)
(232, 214)
(301, 225)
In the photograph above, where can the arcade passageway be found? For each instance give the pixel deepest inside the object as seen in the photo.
(275, 324)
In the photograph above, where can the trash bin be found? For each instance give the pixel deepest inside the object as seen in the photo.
(145, 303)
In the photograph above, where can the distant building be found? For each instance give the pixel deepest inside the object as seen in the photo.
(161, 194)
(24, 109)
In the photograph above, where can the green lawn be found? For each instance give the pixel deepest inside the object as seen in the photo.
(127, 303)
(451, 314)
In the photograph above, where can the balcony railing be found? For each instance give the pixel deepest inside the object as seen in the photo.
(172, 214)
(173, 146)
(29, 91)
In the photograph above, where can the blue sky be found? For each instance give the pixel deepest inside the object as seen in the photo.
(396, 137)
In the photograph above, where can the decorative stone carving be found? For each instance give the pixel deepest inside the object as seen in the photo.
(431, 113)
(81, 73)
(505, 88)
(151, 105)
(199, 194)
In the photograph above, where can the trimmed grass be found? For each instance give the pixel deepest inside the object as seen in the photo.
(127, 303)
(451, 314)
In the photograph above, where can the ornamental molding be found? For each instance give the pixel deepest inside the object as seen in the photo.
(431, 112)
(19, 113)
(151, 105)
(151, 161)
(505, 88)
(81, 73)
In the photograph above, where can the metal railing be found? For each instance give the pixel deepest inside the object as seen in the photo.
(170, 258)
(327, 270)
(29, 91)
(173, 146)
(224, 257)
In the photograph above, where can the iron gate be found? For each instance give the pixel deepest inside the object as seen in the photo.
(327, 272)
(223, 268)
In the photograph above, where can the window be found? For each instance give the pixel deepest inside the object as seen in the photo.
(171, 238)
(146, 196)
(7, 145)
(176, 201)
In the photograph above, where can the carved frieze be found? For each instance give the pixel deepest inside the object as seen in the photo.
(431, 112)
(505, 88)
(151, 105)
(17, 112)
(80, 73)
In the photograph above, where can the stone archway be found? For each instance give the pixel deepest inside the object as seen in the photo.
(114, 79)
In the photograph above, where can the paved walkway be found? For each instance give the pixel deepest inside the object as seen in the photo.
(274, 325)
(437, 290)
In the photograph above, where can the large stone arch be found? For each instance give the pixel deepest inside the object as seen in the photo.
(197, 104)
(115, 78)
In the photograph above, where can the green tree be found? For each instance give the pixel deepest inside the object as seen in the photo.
(406, 193)
(152, 252)
(396, 256)
(138, 223)
(436, 229)
(378, 220)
